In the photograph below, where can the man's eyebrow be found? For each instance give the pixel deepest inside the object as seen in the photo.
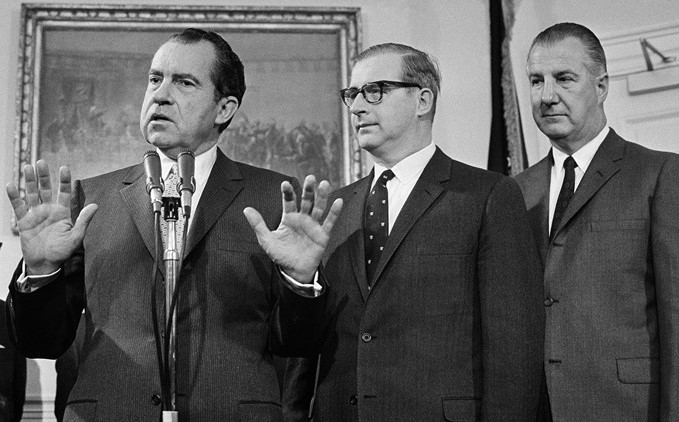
(179, 76)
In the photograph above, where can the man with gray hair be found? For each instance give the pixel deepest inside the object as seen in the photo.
(435, 300)
(604, 214)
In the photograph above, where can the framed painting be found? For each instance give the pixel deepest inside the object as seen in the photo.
(83, 71)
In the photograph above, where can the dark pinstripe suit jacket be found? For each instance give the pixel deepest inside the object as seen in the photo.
(452, 326)
(228, 319)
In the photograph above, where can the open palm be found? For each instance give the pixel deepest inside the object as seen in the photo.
(299, 242)
(48, 237)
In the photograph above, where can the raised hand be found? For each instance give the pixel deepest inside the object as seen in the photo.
(300, 240)
(48, 237)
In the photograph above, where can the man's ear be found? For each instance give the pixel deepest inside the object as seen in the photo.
(227, 108)
(602, 87)
(425, 102)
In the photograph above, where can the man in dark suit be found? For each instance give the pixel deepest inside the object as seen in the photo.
(12, 375)
(611, 257)
(234, 310)
(449, 323)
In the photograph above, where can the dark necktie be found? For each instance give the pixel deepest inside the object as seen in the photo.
(566, 193)
(376, 223)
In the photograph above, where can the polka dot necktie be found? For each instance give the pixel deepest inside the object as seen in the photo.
(566, 193)
(376, 223)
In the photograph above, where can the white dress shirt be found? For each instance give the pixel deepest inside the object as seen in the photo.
(583, 157)
(406, 174)
(203, 168)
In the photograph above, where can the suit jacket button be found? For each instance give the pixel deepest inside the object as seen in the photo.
(353, 399)
(549, 302)
(366, 337)
(155, 399)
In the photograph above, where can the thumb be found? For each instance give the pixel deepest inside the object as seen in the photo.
(256, 222)
(84, 219)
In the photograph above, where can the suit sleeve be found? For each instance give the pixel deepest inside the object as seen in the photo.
(665, 250)
(43, 323)
(512, 313)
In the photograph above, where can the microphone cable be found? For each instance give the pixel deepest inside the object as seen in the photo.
(164, 390)
(175, 299)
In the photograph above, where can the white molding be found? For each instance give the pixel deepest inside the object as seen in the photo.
(38, 410)
(624, 53)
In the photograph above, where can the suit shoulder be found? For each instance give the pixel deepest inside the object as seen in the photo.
(480, 180)
(636, 151)
(262, 174)
(112, 177)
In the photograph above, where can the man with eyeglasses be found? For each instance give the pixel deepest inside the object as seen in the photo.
(435, 291)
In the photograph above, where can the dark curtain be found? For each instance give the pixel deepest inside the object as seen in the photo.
(507, 153)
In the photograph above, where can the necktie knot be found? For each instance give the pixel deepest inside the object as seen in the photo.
(386, 176)
(171, 182)
(569, 164)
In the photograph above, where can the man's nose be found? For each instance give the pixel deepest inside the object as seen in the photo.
(359, 105)
(163, 94)
(549, 95)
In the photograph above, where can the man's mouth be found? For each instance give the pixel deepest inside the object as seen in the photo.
(156, 117)
(363, 125)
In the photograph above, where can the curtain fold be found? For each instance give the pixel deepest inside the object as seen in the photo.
(507, 153)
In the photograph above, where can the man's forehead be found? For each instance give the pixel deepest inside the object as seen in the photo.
(376, 68)
(565, 55)
(175, 57)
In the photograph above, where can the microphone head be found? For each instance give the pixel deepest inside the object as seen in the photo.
(187, 168)
(153, 171)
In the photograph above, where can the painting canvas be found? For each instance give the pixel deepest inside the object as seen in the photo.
(84, 72)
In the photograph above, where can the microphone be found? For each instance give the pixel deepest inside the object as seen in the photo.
(154, 183)
(187, 183)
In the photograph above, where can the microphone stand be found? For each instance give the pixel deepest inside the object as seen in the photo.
(171, 258)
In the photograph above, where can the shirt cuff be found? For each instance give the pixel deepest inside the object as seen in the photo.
(306, 290)
(30, 283)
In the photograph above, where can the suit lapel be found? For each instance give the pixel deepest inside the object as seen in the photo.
(223, 185)
(537, 201)
(600, 170)
(138, 203)
(425, 192)
(356, 244)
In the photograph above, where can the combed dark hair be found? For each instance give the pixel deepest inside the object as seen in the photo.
(227, 73)
(417, 66)
(555, 33)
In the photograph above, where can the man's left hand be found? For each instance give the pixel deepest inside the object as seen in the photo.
(299, 242)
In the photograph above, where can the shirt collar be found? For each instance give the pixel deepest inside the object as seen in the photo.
(411, 166)
(203, 164)
(584, 156)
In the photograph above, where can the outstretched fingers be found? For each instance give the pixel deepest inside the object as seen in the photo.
(308, 194)
(331, 218)
(83, 220)
(256, 222)
(18, 204)
(289, 197)
(321, 200)
(64, 194)
(44, 181)
(32, 197)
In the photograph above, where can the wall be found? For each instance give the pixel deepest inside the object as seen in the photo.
(453, 31)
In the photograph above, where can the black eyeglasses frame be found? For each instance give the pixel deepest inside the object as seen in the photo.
(348, 95)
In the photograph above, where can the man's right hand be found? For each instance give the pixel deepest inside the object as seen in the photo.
(48, 237)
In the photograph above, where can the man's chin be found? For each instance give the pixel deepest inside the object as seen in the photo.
(553, 131)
